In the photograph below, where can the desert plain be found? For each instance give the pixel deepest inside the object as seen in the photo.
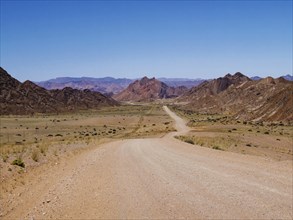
(144, 160)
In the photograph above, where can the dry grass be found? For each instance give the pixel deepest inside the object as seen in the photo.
(35, 155)
(40, 138)
(218, 143)
(268, 139)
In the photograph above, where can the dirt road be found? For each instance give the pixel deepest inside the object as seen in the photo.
(158, 178)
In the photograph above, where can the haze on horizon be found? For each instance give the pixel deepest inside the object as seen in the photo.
(41, 40)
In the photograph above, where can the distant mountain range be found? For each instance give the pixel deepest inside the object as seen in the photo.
(106, 85)
(110, 85)
(176, 82)
(255, 78)
(287, 77)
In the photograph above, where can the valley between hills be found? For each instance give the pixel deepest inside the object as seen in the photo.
(218, 149)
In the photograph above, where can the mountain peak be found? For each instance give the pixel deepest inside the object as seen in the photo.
(148, 89)
(235, 76)
(7, 81)
(144, 79)
(28, 83)
(238, 74)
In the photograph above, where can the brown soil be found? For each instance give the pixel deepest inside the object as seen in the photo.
(155, 178)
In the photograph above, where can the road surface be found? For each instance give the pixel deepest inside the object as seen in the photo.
(158, 178)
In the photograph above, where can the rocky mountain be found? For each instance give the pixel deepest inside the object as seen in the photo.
(29, 98)
(106, 85)
(288, 77)
(267, 99)
(74, 99)
(23, 98)
(147, 89)
(213, 87)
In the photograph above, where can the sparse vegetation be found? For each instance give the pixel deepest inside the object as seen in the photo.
(43, 149)
(217, 148)
(247, 137)
(5, 157)
(189, 141)
(53, 135)
(35, 155)
(18, 162)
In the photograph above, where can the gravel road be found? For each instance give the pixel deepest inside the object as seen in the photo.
(159, 178)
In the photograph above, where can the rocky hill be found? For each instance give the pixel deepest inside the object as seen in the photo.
(81, 99)
(23, 98)
(288, 77)
(213, 87)
(148, 90)
(29, 98)
(266, 99)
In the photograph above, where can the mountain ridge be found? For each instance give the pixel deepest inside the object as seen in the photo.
(243, 98)
(108, 85)
(29, 98)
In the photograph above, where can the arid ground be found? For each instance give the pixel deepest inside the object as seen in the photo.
(129, 162)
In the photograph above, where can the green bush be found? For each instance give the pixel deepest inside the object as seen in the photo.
(18, 162)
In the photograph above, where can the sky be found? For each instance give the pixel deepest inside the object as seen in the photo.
(41, 40)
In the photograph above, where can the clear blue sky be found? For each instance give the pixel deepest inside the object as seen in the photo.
(195, 39)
